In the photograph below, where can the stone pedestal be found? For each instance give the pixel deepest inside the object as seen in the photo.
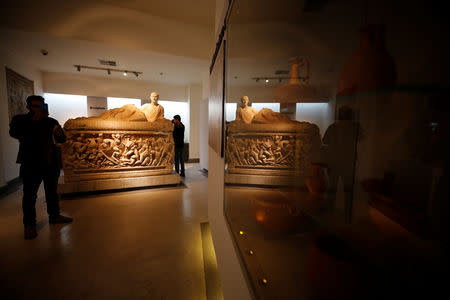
(116, 183)
(108, 155)
(271, 154)
(267, 180)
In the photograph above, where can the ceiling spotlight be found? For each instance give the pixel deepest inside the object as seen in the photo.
(109, 72)
(78, 68)
(267, 80)
(125, 73)
(136, 73)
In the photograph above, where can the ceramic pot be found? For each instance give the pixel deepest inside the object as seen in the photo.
(276, 215)
(370, 67)
(317, 182)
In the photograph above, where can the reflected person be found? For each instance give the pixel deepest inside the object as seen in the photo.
(178, 138)
(39, 160)
(340, 139)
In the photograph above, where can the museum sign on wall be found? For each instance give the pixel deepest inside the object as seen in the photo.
(96, 106)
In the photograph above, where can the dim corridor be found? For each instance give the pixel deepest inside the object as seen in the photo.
(126, 245)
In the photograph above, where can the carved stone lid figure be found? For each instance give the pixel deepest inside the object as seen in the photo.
(153, 111)
(244, 112)
(250, 115)
(149, 116)
(268, 116)
(128, 112)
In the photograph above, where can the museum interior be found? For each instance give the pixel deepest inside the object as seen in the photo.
(314, 147)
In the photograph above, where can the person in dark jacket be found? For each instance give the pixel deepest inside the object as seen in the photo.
(340, 140)
(39, 159)
(178, 138)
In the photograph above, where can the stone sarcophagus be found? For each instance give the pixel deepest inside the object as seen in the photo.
(114, 154)
(271, 154)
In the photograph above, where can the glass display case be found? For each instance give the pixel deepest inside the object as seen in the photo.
(336, 181)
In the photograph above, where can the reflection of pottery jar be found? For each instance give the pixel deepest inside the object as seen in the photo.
(317, 182)
(332, 270)
(370, 67)
(276, 216)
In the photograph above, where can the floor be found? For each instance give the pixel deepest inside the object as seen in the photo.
(127, 245)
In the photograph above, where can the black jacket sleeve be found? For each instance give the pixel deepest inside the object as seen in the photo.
(17, 127)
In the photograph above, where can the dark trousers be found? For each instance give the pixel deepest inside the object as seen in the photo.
(32, 177)
(179, 160)
(346, 174)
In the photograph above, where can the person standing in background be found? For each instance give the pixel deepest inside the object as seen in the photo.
(341, 139)
(178, 138)
(39, 161)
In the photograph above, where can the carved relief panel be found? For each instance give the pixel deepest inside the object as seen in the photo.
(265, 149)
(261, 151)
(117, 150)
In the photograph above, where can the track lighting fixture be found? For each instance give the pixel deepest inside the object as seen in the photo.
(108, 70)
(280, 79)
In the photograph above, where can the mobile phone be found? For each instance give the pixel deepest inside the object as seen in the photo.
(44, 107)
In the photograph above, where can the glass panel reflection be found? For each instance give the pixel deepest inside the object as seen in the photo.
(339, 192)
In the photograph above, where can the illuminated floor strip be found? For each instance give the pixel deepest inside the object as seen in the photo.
(212, 279)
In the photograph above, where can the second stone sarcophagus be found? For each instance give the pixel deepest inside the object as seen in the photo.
(271, 154)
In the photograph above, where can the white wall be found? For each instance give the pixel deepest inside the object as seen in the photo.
(114, 102)
(172, 108)
(64, 107)
(321, 114)
(9, 146)
(273, 106)
(230, 111)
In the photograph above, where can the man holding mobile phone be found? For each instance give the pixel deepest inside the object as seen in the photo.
(39, 161)
(178, 138)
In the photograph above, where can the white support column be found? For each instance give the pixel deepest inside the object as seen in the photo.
(195, 98)
(204, 148)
